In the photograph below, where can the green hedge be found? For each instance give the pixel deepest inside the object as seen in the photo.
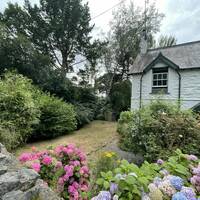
(27, 113)
(158, 129)
(57, 118)
(18, 110)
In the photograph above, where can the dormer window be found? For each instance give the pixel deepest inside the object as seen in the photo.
(160, 80)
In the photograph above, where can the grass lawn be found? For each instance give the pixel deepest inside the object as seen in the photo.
(90, 138)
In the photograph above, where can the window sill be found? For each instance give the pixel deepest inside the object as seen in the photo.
(157, 93)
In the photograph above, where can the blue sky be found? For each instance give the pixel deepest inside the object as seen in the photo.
(182, 17)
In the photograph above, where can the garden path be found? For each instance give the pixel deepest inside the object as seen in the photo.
(94, 138)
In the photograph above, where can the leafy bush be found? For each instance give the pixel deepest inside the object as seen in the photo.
(120, 97)
(64, 169)
(105, 162)
(9, 137)
(57, 117)
(158, 129)
(122, 128)
(175, 179)
(18, 110)
(84, 115)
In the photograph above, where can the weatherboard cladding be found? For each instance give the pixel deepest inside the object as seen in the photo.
(186, 56)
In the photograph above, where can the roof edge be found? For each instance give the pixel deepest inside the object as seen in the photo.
(177, 45)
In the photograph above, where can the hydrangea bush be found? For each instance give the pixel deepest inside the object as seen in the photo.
(64, 169)
(178, 178)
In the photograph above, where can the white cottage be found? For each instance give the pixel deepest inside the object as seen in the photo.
(173, 71)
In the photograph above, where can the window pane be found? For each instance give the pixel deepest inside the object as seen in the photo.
(164, 76)
(159, 76)
(155, 83)
(155, 76)
(159, 82)
(164, 82)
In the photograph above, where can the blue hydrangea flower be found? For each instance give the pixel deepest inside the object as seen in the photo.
(176, 182)
(179, 196)
(103, 195)
(189, 193)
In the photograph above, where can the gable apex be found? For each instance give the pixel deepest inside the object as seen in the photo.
(161, 58)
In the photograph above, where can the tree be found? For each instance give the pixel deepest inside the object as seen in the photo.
(126, 28)
(166, 41)
(60, 29)
(17, 53)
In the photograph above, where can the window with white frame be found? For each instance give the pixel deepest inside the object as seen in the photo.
(160, 80)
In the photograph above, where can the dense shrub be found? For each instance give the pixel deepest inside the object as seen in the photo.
(57, 117)
(159, 128)
(174, 179)
(120, 97)
(84, 115)
(123, 127)
(64, 169)
(18, 110)
(28, 113)
(10, 137)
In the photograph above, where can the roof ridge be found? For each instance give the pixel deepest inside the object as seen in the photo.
(177, 45)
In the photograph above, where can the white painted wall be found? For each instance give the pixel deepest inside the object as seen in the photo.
(190, 88)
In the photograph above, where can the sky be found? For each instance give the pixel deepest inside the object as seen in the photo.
(182, 17)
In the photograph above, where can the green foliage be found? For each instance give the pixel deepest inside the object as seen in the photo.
(123, 127)
(9, 137)
(84, 115)
(158, 129)
(106, 161)
(17, 52)
(120, 96)
(130, 178)
(28, 113)
(57, 117)
(53, 26)
(18, 110)
(136, 183)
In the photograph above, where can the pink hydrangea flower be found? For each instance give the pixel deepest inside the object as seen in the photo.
(68, 151)
(25, 157)
(58, 149)
(84, 170)
(36, 166)
(75, 163)
(47, 160)
(71, 146)
(58, 165)
(73, 192)
(84, 188)
(61, 181)
(66, 177)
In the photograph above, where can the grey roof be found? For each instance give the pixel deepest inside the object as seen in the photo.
(186, 56)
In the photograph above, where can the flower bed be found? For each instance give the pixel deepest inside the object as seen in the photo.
(176, 179)
(64, 169)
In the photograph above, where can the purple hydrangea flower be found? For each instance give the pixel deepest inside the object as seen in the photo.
(160, 162)
(191, 157)
(179, 196)
(189, 193)
(157, 181)
(103, 195)
(164, 172)
(176, 182)
(196, 171)
(113, 188)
